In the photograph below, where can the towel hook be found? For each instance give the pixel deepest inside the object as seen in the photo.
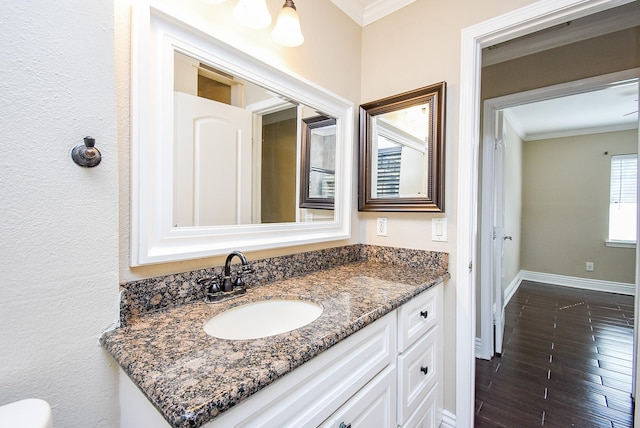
(86, 154)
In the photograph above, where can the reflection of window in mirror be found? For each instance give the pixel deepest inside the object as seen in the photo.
(402, 145)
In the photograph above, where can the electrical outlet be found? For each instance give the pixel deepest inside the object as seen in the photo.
(589, 267)
(381, 226)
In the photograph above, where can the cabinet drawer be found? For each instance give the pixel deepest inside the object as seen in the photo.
(417, 316)
(426, 415)
(417, 374)
(314, 391)
(374, 406)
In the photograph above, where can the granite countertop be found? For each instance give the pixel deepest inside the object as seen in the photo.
(191, 377)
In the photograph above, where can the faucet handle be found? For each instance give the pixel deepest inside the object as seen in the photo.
(239, 282)
(212, 283)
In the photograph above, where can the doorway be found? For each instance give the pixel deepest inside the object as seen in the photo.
(552, 119)
(527, 20)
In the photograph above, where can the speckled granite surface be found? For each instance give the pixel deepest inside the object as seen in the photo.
(152, 294)
(191, 377)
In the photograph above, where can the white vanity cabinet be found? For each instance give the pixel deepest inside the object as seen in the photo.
(313, 392)
(386, 375)
(420, 359)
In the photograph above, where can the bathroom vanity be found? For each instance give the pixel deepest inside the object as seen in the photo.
(372, 358)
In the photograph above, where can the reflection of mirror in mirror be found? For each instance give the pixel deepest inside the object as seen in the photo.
(318, 165)
(237, 147)
(400, 144)
(322, 158)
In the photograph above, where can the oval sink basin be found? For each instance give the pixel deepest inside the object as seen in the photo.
(262, 319)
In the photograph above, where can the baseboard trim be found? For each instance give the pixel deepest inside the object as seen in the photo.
(512, 288)
(575, 282)
(448, 420)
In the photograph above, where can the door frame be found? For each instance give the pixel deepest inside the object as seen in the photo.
(526, 20)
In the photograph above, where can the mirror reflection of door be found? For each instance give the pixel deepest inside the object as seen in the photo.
(203, 155)
(212, 144)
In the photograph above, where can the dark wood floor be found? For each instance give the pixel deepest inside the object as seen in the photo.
(566, 361)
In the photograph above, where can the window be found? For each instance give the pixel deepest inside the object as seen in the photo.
(623, 201)
(389, 171)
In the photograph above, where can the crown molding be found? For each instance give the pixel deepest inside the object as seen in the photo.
(364, 12)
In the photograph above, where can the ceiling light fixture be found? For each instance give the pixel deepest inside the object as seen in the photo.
(252, 13)
(287, 30)
(255, 14)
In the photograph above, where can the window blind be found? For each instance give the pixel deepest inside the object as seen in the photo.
(389, 171)
(624, 173)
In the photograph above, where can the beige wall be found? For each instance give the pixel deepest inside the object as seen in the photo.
(330, 59)
(566, 206)
(592, 57)
(417, 46)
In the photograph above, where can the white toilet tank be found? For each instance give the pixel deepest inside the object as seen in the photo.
(29, 413)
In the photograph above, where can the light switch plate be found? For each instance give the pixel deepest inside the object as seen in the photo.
(439, 229)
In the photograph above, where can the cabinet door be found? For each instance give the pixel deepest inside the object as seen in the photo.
(374, 406)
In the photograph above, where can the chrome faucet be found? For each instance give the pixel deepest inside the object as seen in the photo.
(222, 287)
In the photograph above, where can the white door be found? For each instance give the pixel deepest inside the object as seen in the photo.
(492, 237)
(212, 146)
(498, 233)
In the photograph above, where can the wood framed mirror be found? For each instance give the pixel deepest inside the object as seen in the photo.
(402, 156)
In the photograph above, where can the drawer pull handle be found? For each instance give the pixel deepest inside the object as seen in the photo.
(424, 370)
(343, 425)
(424, 314)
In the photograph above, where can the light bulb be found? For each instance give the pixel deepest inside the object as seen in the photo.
(287, 29)
(252, 13)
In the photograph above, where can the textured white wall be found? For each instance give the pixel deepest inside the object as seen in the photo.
(59, 229)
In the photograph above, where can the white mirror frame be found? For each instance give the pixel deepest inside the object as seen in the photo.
(156, 33)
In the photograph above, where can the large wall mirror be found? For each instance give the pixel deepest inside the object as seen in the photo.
(402, 152)
(218, 147)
